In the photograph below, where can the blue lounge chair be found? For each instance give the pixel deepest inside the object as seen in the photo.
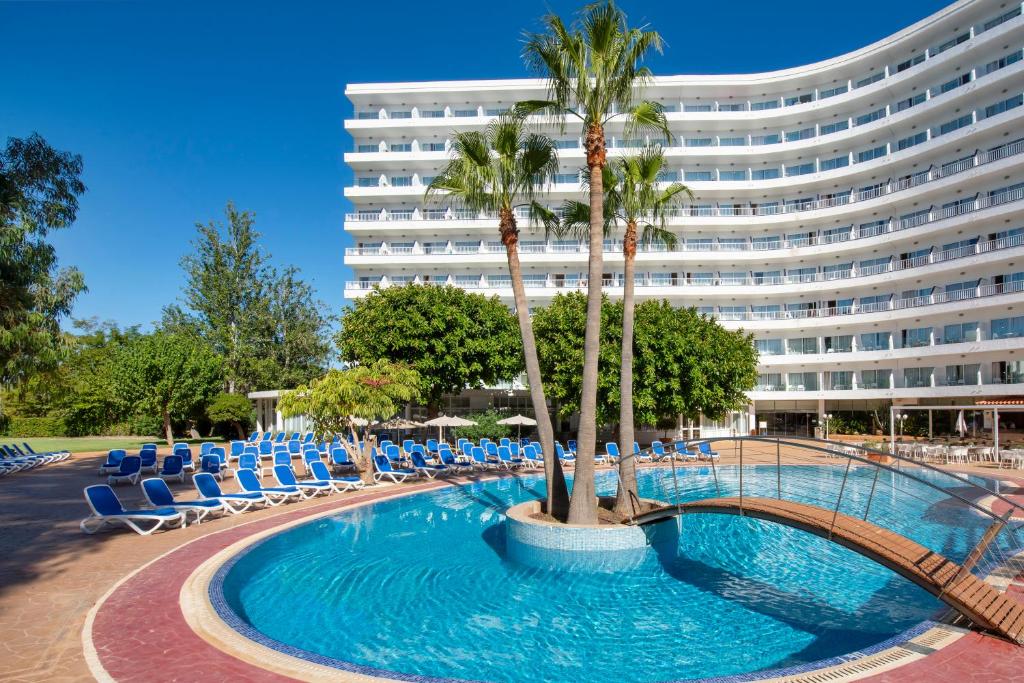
(308, 438)
(113, 462)
(128, 472)
(275, 494)
(430, 471)
(160, 496)
(286, 478)
(60, 455)
(147, 456)
(295, 448)
(309, 457)
(565, 458)
(108, 511)
(186, 458)
(384, 470)
(339, 459)
(209, 489)
(683, 452)
(507, 460)
(449, 460)
(704, 449)
(611, 453)
(319, 473)
(279, 438)
(431, 445)
(533, 456)
(571, 443)
(211, 465)
(407, 446)
(236, 449)
(172, 469)
(480, 460)
(640, 455)
(658, 450)
(266, 449)
(280, 458)
(248, 461)
(205, 447)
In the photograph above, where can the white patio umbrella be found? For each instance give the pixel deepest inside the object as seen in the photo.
(442, 421)
(961, 424)
(518, 421)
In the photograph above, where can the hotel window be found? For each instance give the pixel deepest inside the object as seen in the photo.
(802, 134)
(841, 380)
(910, 102)
(732, 142)
(909, 220)
(465, 113)
(400, 147)
(874, 228)
(800, 239)
(803, 346)
(534, 280)
(497, 111)
(1003, 62)
(706, 310)
(959, 375)
(467, 280)
(669, 108)
(913, 61)
(958, 291)
(700, 244)
(667, 176)
(363, 149)
(801, 274)
(432, 114)
(765, 311)
(367, 215)
(501, 280)
(917, 377)
(435, 247)
(952, 43)
(731, 243)
(875, 265)
(802, 381)
(912, 140)
(955, 124)
(873, 78)
(401, 214)
(869, 117)
(799, 99)
(764, 174)
(701, 279)
(919, 336)
(875, 341)
(363, 115)
(732, 175)
(661, 279)
(835, 127)
(874, 379)
(832, 92)
(433, 146)
(962, 79)
(989, 25)
(566, 178)
(769, 381)
(698, 142)
(766, 242)
(734, 106)
(837, 271)
(839, 344)
(697, 107)
(401, 181)
(960, 333)
(838, 162)
(800, 169)
(732, 312)
(761, 106)
(868, 155)
(1005, 328)
(772, 139)
(735, 277)
(1005, 105)
(567, 144)
(368, 182)
(467, 247)
(401, 279)
(698, 175)
(960, 244)
(402, 114)
(1008, 372)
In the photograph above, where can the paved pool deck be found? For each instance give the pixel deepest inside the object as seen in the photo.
(129, 587)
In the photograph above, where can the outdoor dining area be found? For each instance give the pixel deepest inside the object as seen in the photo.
(977, 439)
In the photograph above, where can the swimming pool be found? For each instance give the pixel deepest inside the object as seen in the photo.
(422, 585)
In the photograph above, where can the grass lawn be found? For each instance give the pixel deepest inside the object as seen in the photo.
(84, 444)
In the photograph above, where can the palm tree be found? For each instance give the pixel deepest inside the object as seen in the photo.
(498, 171)
(634, 199)
(594, 74)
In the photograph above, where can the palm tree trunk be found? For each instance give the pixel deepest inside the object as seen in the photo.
(583, 504)
(627, 499)
(557, 493)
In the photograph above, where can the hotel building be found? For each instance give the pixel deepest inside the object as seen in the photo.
(862, 217)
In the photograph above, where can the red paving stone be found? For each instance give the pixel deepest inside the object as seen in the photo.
(973, 658)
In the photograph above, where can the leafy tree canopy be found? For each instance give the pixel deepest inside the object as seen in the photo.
(453, 339)
(166, 373)
(233, 409)
(39, 189)
(684, 362)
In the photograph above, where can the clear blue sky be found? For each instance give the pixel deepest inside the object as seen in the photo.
(177, 107)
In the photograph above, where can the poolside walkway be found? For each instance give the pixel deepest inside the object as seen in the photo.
(54, 574)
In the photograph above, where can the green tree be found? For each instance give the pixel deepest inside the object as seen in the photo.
(169, 374)
(594, 74)
(495, 171)
(634, 200)
(375, 391)
(301, 346)
(486, 426)
(231, 409)
(39, 189)
(685, 363)
(454, 340)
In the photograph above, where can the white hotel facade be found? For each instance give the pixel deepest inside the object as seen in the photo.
(862, 217)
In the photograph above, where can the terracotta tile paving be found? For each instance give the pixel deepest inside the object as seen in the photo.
(53, 574)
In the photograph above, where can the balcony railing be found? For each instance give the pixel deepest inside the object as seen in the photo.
(933, 174)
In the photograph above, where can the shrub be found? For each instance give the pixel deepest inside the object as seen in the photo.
(233, 410)
(486, 426)
(35, 427)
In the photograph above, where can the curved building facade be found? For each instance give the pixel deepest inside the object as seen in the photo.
(863, 216)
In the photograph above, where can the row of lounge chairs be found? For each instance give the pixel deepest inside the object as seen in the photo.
(15, 458)
(167, 512)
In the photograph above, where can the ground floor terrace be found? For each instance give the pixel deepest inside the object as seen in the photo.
(116, 606)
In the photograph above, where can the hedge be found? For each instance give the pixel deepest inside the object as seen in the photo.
(35, 427)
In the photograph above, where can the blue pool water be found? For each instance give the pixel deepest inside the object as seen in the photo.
(422, 585)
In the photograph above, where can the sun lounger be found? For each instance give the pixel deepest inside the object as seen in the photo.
(209, 489)
(108, 511)
(286, 478)
(159, 496)
(275, 494)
